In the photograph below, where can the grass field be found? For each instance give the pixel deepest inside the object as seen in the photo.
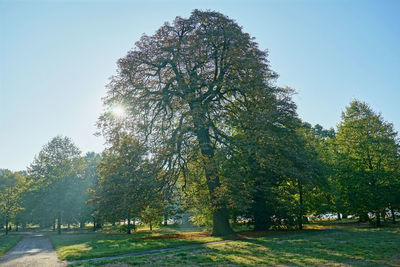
(90, 245)
(7, 242)
(336, 247)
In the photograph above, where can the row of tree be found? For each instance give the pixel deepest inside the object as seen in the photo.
(205, 130)
(53, 190)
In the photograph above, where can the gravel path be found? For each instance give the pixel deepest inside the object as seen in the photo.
(33, 250)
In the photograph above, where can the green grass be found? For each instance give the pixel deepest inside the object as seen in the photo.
(338, 247)
(75, 246)
(8, 241)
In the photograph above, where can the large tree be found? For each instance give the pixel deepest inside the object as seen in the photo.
(54, 174)
(263, 142)
(178, 86)
(367, 159)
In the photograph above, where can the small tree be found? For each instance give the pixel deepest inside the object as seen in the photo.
(12, 186)
(127, 181)
(152, 215)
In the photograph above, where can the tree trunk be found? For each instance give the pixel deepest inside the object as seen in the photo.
(81, 224)
(16, 227)
(128, 230)
(363, 217)
(151, 227)
(6, 224)
(392, 212)
(259, 210)
(338, 216)
(94, 224)
(378, 219)
(165, 219)
(59, 223)
(54, 226)
(300, 219)
(221, 225)
(68, 227)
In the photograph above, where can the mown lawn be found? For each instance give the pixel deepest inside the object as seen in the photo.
(8, 241)
(338, 247)
(92, 245)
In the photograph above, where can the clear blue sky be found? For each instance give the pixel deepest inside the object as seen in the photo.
(56, 58)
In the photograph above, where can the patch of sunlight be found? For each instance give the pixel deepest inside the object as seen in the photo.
(73, 250)
(246, 259)
(34, 250)
(314, 227)
(77, 247)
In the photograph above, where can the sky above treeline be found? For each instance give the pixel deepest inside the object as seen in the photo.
(56, 58)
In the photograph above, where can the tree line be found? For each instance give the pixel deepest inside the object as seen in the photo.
(206, 130)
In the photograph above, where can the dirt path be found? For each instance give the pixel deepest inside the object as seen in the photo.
(34, 249)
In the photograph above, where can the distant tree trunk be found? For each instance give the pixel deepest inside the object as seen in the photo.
(151, 227)
(301, 205)
(378, 219)
(68, 226)
(94, 224)
(338, 216)
(165, 219)
(392, 212)
(16, 227)
(235, 219)
(59, 223)
(81, 224)
(128, 230)
(6, 224)
(113, 223)
(363, 217)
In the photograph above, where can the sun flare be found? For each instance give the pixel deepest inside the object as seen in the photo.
(118, 111)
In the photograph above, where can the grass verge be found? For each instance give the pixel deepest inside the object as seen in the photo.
(93, 245)
(8, 241)
(337, 247)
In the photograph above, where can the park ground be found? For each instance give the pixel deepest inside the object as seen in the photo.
(7, 242)
(326, 244)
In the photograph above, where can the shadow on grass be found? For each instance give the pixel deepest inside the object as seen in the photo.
(355, 247)
(370, 247)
